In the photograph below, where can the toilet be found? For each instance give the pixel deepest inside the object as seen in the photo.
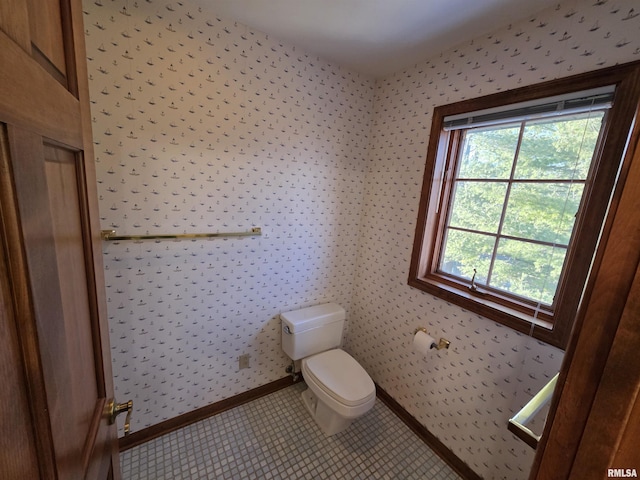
(339, 389)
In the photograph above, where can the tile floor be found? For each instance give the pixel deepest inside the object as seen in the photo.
(275, 438)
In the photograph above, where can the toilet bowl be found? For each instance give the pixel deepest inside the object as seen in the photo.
(339, 389)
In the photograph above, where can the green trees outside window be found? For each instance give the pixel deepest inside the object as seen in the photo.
(515, 194)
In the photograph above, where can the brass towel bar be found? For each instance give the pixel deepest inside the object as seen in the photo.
(112, 235)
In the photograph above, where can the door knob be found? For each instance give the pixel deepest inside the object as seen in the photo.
(114, 409)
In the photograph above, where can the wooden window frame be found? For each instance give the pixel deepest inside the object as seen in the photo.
(552, 326)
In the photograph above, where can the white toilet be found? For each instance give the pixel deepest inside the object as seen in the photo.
(340, 390)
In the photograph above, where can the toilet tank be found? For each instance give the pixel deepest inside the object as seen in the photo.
(312, 330)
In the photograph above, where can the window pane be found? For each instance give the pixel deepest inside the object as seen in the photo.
(538, 192)
(559, 148)
(488, 153)
(529, 270)
(478, 205)
(542, 211)
(464, 251)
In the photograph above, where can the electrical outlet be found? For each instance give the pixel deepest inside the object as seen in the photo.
(243, 361)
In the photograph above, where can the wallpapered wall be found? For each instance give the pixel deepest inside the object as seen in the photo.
(465, 395)
(203, 125)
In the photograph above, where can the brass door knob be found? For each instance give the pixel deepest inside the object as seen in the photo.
(114, 409)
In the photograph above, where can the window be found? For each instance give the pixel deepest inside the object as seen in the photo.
(515, 197)
(515, 192)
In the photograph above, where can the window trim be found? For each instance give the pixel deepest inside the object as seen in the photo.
(599, 201)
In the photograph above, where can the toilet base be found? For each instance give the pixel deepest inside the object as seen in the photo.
(328, 420)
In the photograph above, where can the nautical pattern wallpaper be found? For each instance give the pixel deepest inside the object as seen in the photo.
(202, 124)
(465, 395)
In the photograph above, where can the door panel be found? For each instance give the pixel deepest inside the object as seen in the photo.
(77, 322)
(40, 103)
(64, 199)
(18, 453)
(42, 29)
(50, 201)
(20, 318)
(14, 22)
(47, 37)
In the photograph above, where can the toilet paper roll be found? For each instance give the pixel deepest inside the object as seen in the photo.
(423, 342)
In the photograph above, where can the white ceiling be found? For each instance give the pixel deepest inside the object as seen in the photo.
(376, 37)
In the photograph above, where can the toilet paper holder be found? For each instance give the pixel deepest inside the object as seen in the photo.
(442, 343)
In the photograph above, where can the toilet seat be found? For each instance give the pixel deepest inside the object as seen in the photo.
(340, 376)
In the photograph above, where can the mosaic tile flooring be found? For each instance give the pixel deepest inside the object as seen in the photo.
(274, 437)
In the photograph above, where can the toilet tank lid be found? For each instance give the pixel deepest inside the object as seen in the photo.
(313, 317)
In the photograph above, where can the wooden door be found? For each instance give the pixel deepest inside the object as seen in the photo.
(55, 348)
(611, 439)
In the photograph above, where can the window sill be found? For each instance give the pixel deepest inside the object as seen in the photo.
(475, 302)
